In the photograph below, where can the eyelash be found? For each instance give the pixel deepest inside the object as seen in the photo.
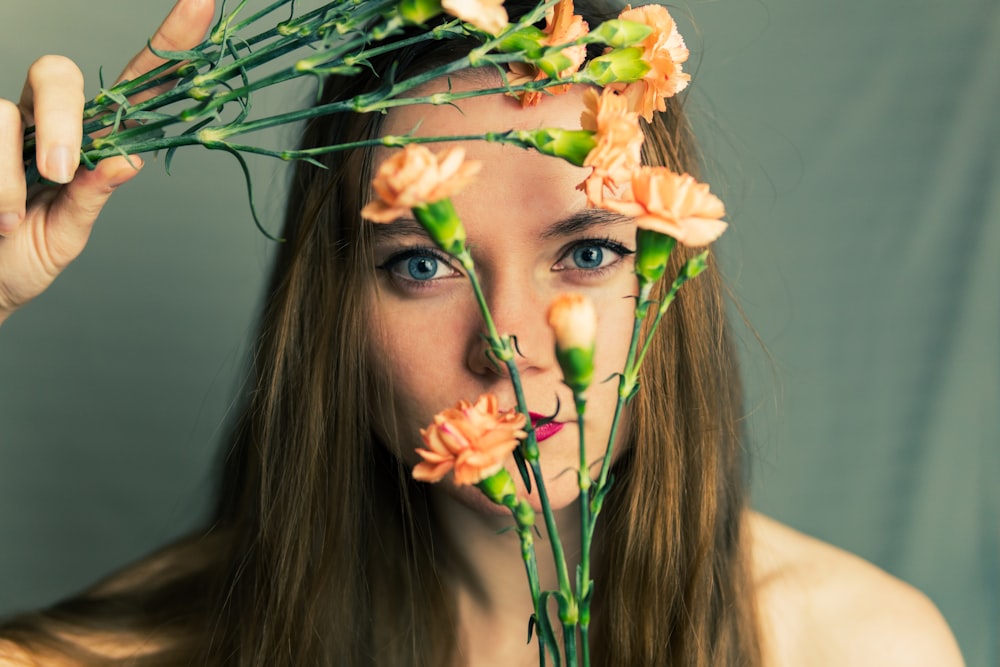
(410, 253)
(605, 243)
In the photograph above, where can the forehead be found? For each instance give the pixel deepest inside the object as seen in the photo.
(484, 113)
(513, 183)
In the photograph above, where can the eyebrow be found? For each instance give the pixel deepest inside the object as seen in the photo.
(398, 228)
(576, 223)
(582, 221)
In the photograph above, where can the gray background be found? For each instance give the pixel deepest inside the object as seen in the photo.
(857, 146)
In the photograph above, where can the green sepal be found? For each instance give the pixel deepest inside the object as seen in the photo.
(620, 66)
(529, 40)
(443, 225)
(597, 502)
(419, 12)
(651, 254)
(620, 34)
(695, 265)
(577, 365)
(498, 486)
(554, 62)
(571, 145)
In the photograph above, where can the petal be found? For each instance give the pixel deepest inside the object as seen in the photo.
(433, 456)
(377, 211)
(700, 232)
(425, 472)
(626, 207)
(662, 225)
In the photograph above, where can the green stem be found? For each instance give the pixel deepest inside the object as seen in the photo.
(261, 13)
(667, 300)
(531, 570)
(237, 67)
(685, 274)
(502, 347)
(586, 533)
(627, 381)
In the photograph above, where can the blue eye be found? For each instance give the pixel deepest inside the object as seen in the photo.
(588, 257)
(422, 267)
(418, 266)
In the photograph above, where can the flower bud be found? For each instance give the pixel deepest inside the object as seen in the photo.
(651, 254)
(524, 514)
(529, 40)
(694, 266)
(498, 486)
(553, 63)
(419, 11)
(574, 322)
(619, 66)
(619, 33)
(571, 145)
(442, 224)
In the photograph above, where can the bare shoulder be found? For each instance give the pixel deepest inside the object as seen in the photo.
(820, 605)
(12, 655)
(85, 648)
(72, 641)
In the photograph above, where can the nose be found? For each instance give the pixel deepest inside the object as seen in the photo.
(518, 308)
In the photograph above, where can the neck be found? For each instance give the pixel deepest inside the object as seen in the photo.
(494, 601)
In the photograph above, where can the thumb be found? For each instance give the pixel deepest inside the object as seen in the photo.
(74, 209)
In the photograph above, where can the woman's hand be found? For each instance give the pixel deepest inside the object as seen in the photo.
(45, 228)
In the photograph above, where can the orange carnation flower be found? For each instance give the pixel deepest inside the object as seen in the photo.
(414, 177)
(561, 26)
(665, 51)
(673, 204)
(487, 15)
(619, 142)
(471, 439)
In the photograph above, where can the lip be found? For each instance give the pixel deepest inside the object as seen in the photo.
(545, 431)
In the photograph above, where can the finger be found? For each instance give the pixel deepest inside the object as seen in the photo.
(53, 99)
(183, 29)
(74, 209)
(12, 183)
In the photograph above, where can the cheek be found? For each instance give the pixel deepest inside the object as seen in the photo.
(419, 350)
(615, 315)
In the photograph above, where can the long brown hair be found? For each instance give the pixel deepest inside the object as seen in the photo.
(321, 550)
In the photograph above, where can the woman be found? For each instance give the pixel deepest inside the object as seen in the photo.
(322, 550)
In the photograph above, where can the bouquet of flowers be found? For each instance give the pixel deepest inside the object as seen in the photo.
(541, 54)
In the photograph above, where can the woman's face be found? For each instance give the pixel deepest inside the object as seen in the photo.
(531, 237)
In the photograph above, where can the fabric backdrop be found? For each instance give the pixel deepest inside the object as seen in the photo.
(857, 146)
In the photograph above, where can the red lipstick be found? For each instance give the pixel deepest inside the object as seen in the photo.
(545, 431)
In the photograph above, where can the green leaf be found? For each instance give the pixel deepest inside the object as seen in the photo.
(249, 182)
(545, 632)
(194, 55)
(148, 116)
(522, 467)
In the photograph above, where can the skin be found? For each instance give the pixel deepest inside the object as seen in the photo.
(818, 605)
(41, 232)
(515, 214)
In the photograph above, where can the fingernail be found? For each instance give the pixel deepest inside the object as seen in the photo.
(8, 221)
(61, 163)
